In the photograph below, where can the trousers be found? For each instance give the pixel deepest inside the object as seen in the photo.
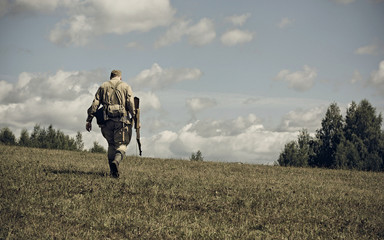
(118, 136)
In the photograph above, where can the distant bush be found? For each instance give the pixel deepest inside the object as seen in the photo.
(79, 141)
(97, 148)
(197, 157)
(353, 142)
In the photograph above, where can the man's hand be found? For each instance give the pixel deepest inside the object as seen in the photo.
(88, 126)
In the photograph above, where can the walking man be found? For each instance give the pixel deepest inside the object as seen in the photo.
(118, 109)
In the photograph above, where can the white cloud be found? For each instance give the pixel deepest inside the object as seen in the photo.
(251, 143)
(377, 79)
(148, 100)
(64, 113)
(157, 77)
(87, 19)
(198, 104)
(236, 36)
(202, 33)
(98, 17)
(285, 22)
(227, 130)
(60, 99)
(300, 80)
(62, 85)
(356, 77)
(158, 145)
(173, 34)
(5, 88)
(372, 49)
(75, 30)
(136, 45)
(26, 6)
(309, 119)
(153, 125)
(231, 127)
(199, 34)
(238, 20)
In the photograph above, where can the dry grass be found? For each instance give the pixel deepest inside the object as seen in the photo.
(48, 194)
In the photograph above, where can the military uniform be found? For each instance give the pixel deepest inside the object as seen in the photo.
(117, 130)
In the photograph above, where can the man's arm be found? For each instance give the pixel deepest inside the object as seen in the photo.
(92, 110)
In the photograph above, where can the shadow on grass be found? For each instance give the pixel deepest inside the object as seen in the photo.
(77, 172)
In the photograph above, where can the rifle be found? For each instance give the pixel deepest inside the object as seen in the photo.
(137, 122)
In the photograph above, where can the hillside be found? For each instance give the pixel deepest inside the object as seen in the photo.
(48, 194)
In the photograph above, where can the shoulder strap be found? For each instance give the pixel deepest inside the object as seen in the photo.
(114, 87)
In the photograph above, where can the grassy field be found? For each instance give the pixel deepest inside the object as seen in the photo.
(51, 194)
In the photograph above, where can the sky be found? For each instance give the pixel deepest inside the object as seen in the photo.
(236, 80)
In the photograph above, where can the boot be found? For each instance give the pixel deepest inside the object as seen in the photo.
(114, 165)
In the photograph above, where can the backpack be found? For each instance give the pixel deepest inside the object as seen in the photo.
(115, 110)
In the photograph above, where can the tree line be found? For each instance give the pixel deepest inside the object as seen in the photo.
(353, 142)
(49, 138)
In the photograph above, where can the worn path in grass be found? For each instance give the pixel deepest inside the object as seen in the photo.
(48, 194)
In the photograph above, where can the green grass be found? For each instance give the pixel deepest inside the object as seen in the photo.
(52, 194)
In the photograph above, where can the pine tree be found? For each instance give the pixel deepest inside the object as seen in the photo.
(61, 144)
(297, 153)
(347, 156)
(24, 139)
(51, 139)
(290, 155)
(363, 130)
(354, 143)
(305, 148)
(42, 138)
(7, 137)
(329, 137)
(34, 137)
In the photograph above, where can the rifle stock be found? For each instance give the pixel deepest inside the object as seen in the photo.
(137, 122)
